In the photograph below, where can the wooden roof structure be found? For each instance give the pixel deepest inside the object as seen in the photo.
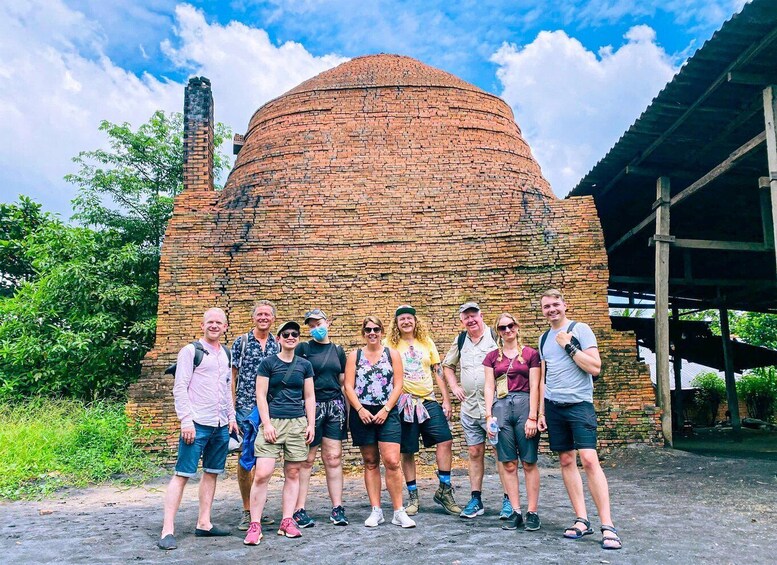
(705, 135)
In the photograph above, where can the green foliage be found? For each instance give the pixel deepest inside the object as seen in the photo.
(45, 445)
(756, 328)
(17, 221)
(758, 388)
(81, 327)
(712, 391)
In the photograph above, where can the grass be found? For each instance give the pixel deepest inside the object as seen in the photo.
(49, 444)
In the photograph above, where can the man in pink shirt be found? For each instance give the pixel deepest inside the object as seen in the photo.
(204, 405)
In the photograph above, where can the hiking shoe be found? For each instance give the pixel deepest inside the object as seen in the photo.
(337, 517)
(289, 528)
(444, 497)
(245, 521)
(167, 542)
(302, 519)
(402, 519)
(513, 522)
(507, 509)
(413, 504)
(267, 521)
(473, 508)
(254, 535)
(532, 522)
(375, 517)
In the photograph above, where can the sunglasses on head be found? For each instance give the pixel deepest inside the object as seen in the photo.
(506, 327)
(372, 330)
(289, 334)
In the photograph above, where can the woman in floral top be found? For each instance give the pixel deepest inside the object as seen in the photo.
(373, 383)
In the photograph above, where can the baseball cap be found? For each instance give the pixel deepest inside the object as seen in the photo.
(315, 314)
(290, 325)
(469, 306)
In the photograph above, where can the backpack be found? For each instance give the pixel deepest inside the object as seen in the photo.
(463, 336)
(199, 353)
(574, 342)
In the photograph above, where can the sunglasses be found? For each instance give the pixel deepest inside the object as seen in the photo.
(369, 330)
(287, 335)
(505, 328)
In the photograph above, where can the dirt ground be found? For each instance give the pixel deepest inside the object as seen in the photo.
(670, 507)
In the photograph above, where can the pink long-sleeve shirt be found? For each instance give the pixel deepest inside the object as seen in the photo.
(204, 394)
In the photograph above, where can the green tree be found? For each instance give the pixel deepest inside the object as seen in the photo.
(711, 392)
(17, 221)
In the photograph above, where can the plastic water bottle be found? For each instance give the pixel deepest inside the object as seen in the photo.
(493, 429)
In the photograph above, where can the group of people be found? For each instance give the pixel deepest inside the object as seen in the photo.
(287, 397)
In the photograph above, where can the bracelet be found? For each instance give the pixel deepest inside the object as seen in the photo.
(360, 409)
(571, 349)
(540, 415)
(532, 419)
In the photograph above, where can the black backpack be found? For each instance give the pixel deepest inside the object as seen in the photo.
(199, 353)
(463, 336)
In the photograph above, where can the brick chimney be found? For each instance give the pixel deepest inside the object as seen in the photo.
(198, 135)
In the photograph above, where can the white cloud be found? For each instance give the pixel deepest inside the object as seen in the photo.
(573, 104)
(56, 85)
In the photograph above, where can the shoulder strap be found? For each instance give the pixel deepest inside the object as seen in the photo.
(358, 355)
(460, 340)
(493, 335)
(543, 339)
(387, 351)
(271, 393)
(229, 354)
(199, 353)
(243, 347)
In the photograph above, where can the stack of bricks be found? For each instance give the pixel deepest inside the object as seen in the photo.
(382, 182)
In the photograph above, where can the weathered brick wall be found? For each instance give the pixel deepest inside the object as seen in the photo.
(381, 182)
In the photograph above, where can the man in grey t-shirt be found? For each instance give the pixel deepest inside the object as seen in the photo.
(570, 360)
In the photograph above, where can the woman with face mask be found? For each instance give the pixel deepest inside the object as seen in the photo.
(328, 362)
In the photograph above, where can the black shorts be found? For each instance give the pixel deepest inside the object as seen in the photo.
(570, 426)
(370, 434)
(330, 421)
(434, 430)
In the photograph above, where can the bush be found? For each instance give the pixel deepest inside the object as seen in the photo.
(712, 391)
(48, 444)
(759, 391)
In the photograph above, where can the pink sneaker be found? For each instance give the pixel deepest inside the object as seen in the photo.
(289, 528)
(254, 534)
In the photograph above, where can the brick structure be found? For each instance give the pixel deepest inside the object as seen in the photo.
(379, 182)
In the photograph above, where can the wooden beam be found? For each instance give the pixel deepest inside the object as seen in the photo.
(694, 281)
(754, 79)
(767, 222)
(662, 308)
(770, 119)
(731, 385)
(720, 169)
(720, 245)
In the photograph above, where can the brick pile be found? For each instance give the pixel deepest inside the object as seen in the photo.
(380, 182)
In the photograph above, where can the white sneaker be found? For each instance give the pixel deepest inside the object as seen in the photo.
(376, 517)
(402, 519)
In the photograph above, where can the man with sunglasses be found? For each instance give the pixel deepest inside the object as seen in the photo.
(468, 353)
(286, 402)
(570, 361)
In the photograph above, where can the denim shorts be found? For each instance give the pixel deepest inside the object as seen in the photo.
(570, 426)
(511, 413)
(211, 443)
(434, 430)
(241, 417)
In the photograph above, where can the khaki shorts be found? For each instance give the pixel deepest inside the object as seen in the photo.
(289, 439)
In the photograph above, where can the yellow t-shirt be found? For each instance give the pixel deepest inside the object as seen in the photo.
(417, 361)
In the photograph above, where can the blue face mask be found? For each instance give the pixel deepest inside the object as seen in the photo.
(319, 333)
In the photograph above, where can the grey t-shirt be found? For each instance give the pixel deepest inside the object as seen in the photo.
(564, 380)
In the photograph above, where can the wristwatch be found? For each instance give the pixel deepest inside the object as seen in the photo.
(387, 409)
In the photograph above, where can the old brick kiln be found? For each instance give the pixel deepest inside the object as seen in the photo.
(379, 182)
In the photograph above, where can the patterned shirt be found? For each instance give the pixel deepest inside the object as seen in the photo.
(248, 368)
(374, 383)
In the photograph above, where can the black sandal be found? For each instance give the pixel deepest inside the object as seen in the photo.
(613, 539)
(578, 532)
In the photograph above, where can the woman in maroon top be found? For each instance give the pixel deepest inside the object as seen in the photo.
(516, 415)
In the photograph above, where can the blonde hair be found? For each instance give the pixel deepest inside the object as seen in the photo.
(500, 342)
(419, 332)
(553, 293)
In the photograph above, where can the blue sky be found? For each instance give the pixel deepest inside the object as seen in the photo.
(576, 73)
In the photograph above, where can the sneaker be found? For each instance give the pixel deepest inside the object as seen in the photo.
(289, 528)
(337, 517)
(402, 519)
(532, 522)
(167, 542)
(302, 519)
(473, 508)
(245, 521)
(267, 521)
(513, 522)
(254, 535)
(507, 509)
(375, 518)
(444, 497)
(413, 504)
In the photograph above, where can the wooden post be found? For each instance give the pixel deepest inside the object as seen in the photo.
(677, 365)
(731, 387)
(770, 119)
(662, 306)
